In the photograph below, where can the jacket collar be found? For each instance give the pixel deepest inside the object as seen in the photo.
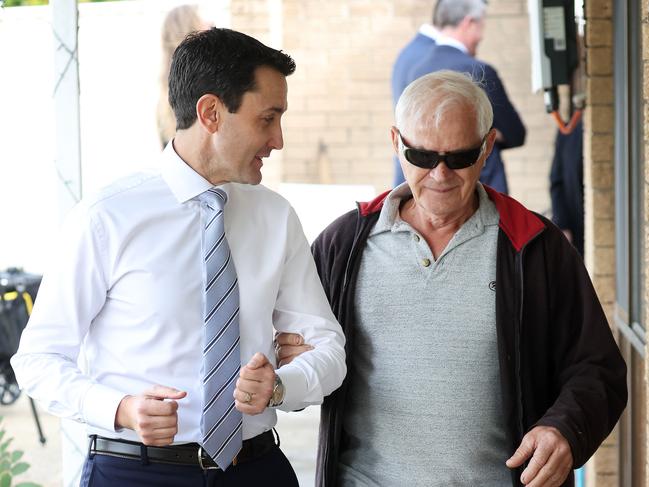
(517, 222)
(368, 207)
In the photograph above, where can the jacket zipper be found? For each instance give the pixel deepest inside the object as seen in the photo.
(518, 330)
(517, 339)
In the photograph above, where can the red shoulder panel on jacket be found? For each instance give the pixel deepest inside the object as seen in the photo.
(369, 207)
(518, 223)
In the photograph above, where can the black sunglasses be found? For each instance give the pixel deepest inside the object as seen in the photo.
(430, 159)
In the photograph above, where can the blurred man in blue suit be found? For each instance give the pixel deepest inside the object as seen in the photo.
(418, 47)
(461, 24)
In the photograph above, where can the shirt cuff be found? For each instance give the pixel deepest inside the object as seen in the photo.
(295, 387)
(100, 406)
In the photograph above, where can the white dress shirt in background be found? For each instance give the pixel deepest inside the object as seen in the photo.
(443, 40)
(127, 286)
(429, 31)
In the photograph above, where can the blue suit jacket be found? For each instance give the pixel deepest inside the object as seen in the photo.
(506, 119)
(418, 48)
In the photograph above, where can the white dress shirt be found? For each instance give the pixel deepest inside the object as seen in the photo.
(444, 40)
(429, 31)
(127, 286)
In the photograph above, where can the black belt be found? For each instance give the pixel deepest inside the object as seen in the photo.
(185, 454)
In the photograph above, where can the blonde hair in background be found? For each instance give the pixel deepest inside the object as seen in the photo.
(179, 22)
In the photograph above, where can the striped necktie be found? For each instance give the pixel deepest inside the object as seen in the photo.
(220, 421)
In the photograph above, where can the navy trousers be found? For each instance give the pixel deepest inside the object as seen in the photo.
(271, 469)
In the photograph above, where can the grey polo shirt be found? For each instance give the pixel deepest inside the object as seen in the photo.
(424, 405)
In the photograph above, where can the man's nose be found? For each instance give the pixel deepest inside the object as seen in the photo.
(277, 140)
(440, 172)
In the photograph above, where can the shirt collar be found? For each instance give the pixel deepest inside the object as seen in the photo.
(443, 40)
(429, 31)
(487, 209)
(486, 215)
(183, 181)
(389, 219)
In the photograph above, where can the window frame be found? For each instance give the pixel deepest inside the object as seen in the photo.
(629, 173)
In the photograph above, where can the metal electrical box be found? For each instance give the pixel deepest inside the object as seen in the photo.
(555, 56)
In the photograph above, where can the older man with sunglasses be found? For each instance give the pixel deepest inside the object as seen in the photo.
(477, 350)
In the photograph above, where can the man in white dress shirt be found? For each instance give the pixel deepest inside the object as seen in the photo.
(129, 286)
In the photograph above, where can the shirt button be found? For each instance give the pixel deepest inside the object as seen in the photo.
(416, 237)
(425, 262)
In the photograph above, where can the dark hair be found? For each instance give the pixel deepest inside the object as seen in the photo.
(221, 62)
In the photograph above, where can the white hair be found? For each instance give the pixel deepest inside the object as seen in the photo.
(428, 98)
(451, 12)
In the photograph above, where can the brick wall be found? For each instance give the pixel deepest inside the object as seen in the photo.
(337, 128)
(599, 194)
(340, 107)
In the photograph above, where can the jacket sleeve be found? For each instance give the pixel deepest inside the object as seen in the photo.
(319, 249)
(590, 371)
(506, 118)
(331, 251)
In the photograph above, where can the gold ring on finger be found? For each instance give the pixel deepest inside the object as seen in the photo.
(248, 398)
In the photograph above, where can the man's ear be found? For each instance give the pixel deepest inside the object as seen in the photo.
(465, 23)
(491, 140)
(209, 109)
(394, 135)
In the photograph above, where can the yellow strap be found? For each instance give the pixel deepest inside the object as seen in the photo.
(29, 304)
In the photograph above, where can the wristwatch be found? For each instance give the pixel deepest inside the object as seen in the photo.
(277, 397)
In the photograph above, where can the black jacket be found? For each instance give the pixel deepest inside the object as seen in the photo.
(559, 363)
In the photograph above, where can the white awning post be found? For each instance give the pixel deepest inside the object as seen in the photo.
(65, 23)
(66, 103)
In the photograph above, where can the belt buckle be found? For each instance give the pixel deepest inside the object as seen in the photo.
(92, 446)
(200, 460)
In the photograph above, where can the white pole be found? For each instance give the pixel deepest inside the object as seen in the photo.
(66, 103)
(68, 169)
